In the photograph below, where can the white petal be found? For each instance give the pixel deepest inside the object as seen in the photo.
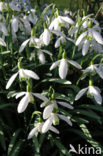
(97, 36)
(47, 111)
(81, 37)
(65, 119)
(65, 104)
(67, 19)
(47, 125)
(100, 73)
(63, 69)
(54, 129)
(11, 80)
(40, 96)
(95, 94)
(31, 74)
(32, 132)
(20, 94)
(23, 104)
(57, 43)
(54, 65)
(14, 23)
(46, 37)
(75, 64)
(41, 57)
(23, 45)
(2, 42)
(47, 52)
(85, 47)
(81, 93)
(58, 33)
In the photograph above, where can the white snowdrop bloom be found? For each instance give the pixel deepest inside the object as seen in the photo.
(93, 69)
(91, 90)
(23, 74)
(36, 42)
(60, 40)
(13, 6)
(46, 36)
(28, 98)
(63, 66)
(25, 25)
(87, 39)
(36, 129)
(53, 118)
(14, 24)
(32, 17)
(43, 98)
(3, 29)
(55, 24)
(52, 102)
(85, 24)
(2, 42)
(41, 55)
(3, 6)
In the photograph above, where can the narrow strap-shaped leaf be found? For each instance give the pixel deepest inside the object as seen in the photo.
(13, 141)
(2, 139)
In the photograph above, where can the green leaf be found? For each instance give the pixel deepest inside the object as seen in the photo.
(3, 106)
(88, 113)
(57, 80)
(16, 149)
(2, 139)
(13, 141)
(61, 147)
(89, 136)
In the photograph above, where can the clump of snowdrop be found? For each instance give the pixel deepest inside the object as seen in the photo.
(51, 112)
(63, 66)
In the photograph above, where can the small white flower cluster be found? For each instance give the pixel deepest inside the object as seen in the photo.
(86, 34)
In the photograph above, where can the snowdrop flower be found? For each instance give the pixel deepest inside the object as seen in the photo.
(63, 66)
(46, 36)
(14, 24)
(32, 17)
(3, 6)
(38, 128)
(85, 25)
(2, 42)
(13, 6)
(55, 24)
(26, 24)
(36, 42)
(52, 118)
(46, 101)
(3, 29)
(86, 38)
(28, 98)
(23, 74)
(93, 69)
(41, 55)
(60, 40)
(91, 90)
